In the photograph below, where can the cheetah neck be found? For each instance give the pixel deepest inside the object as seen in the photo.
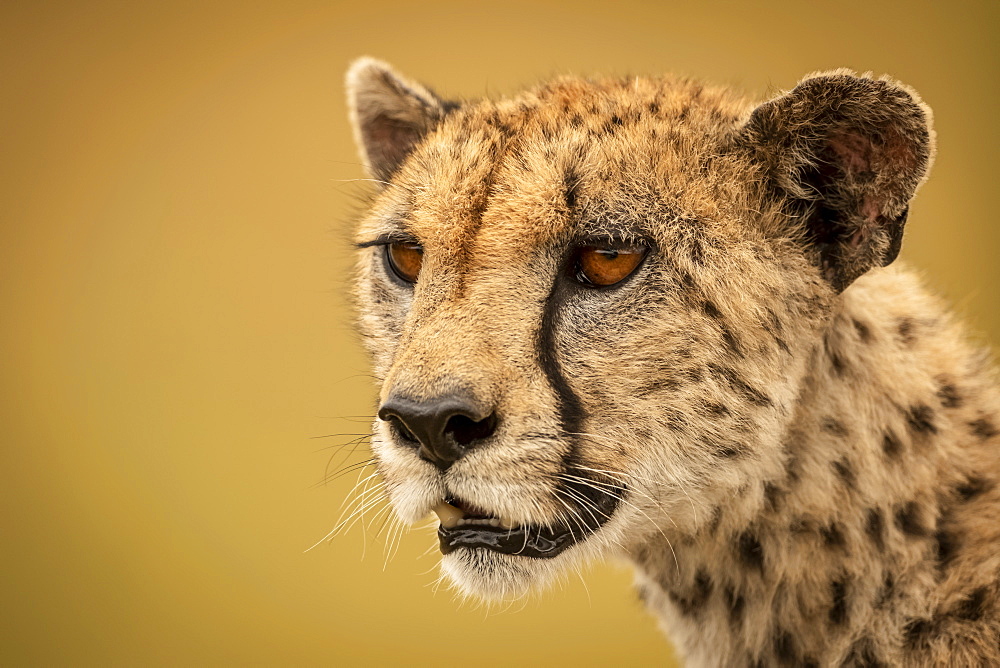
(852, 553)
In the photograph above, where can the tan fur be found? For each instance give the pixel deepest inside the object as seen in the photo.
(806, 442)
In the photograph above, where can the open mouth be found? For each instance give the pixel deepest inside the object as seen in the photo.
(588, 507)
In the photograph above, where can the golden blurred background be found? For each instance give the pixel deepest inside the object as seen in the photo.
(176, 196)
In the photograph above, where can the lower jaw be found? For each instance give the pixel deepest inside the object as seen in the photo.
(537, 543)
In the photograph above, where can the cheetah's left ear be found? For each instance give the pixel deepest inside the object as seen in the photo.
(849, 152)
(390, 114)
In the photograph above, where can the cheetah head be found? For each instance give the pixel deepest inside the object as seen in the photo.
(590, 307)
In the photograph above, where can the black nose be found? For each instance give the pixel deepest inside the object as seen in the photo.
(444, 428)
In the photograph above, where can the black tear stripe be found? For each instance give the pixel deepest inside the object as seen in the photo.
(598, 501)
(571, 414)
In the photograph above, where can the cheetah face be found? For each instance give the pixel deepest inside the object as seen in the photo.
(586, 312)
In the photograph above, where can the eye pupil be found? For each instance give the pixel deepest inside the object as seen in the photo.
(405, 259)
(597, 266)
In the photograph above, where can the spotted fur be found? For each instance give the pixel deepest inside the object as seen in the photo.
(801, 443)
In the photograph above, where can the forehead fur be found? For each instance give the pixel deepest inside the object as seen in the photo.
(575, 157)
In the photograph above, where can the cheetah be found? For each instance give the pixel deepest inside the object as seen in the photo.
(649, 318)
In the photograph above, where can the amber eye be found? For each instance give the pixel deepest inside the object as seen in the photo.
(405, 258)
(603, 266)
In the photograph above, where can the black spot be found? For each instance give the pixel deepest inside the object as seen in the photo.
(908, 519)
(727, 450)
(833, 535)
(716, 409)
(616, 120)
(711, 310)
(773, 323)
(736, 604)
(643, 594)
(784, 648)
(833, 426)
(654, 108)
(891, 445)
(973, 606)
(749, 551)
(845, 472)
(838, 605)
(838, 364)
(772, 495)
(495, 121)
(752, 394)
(920, 420)
(862, 655)
(730, 339)
(713, 524)
(774, 328)
(697, 252)
(801, 525)
(947, 546)
(674, 420)
(694, 600)
(917, 632)
(905, 328)
(643, 555)
(983, 428)
(792, 470)
(694, 374)
(875, 527)
(657, 386)
(887, 590)
(973, 487)
(702, 585)
(949, 396)
(864, 333)
(687, 281)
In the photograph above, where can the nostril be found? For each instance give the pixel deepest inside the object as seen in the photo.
(401, 429)
(465, 430)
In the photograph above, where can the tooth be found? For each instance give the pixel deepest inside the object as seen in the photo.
(449, 515)
(494, 522)
(506, 523)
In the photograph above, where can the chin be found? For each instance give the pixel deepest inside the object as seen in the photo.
(490, 576)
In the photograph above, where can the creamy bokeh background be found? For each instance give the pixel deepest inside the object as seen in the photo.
(175, 206)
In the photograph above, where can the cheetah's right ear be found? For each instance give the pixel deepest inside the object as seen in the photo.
(390, 114)
(848, 152)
